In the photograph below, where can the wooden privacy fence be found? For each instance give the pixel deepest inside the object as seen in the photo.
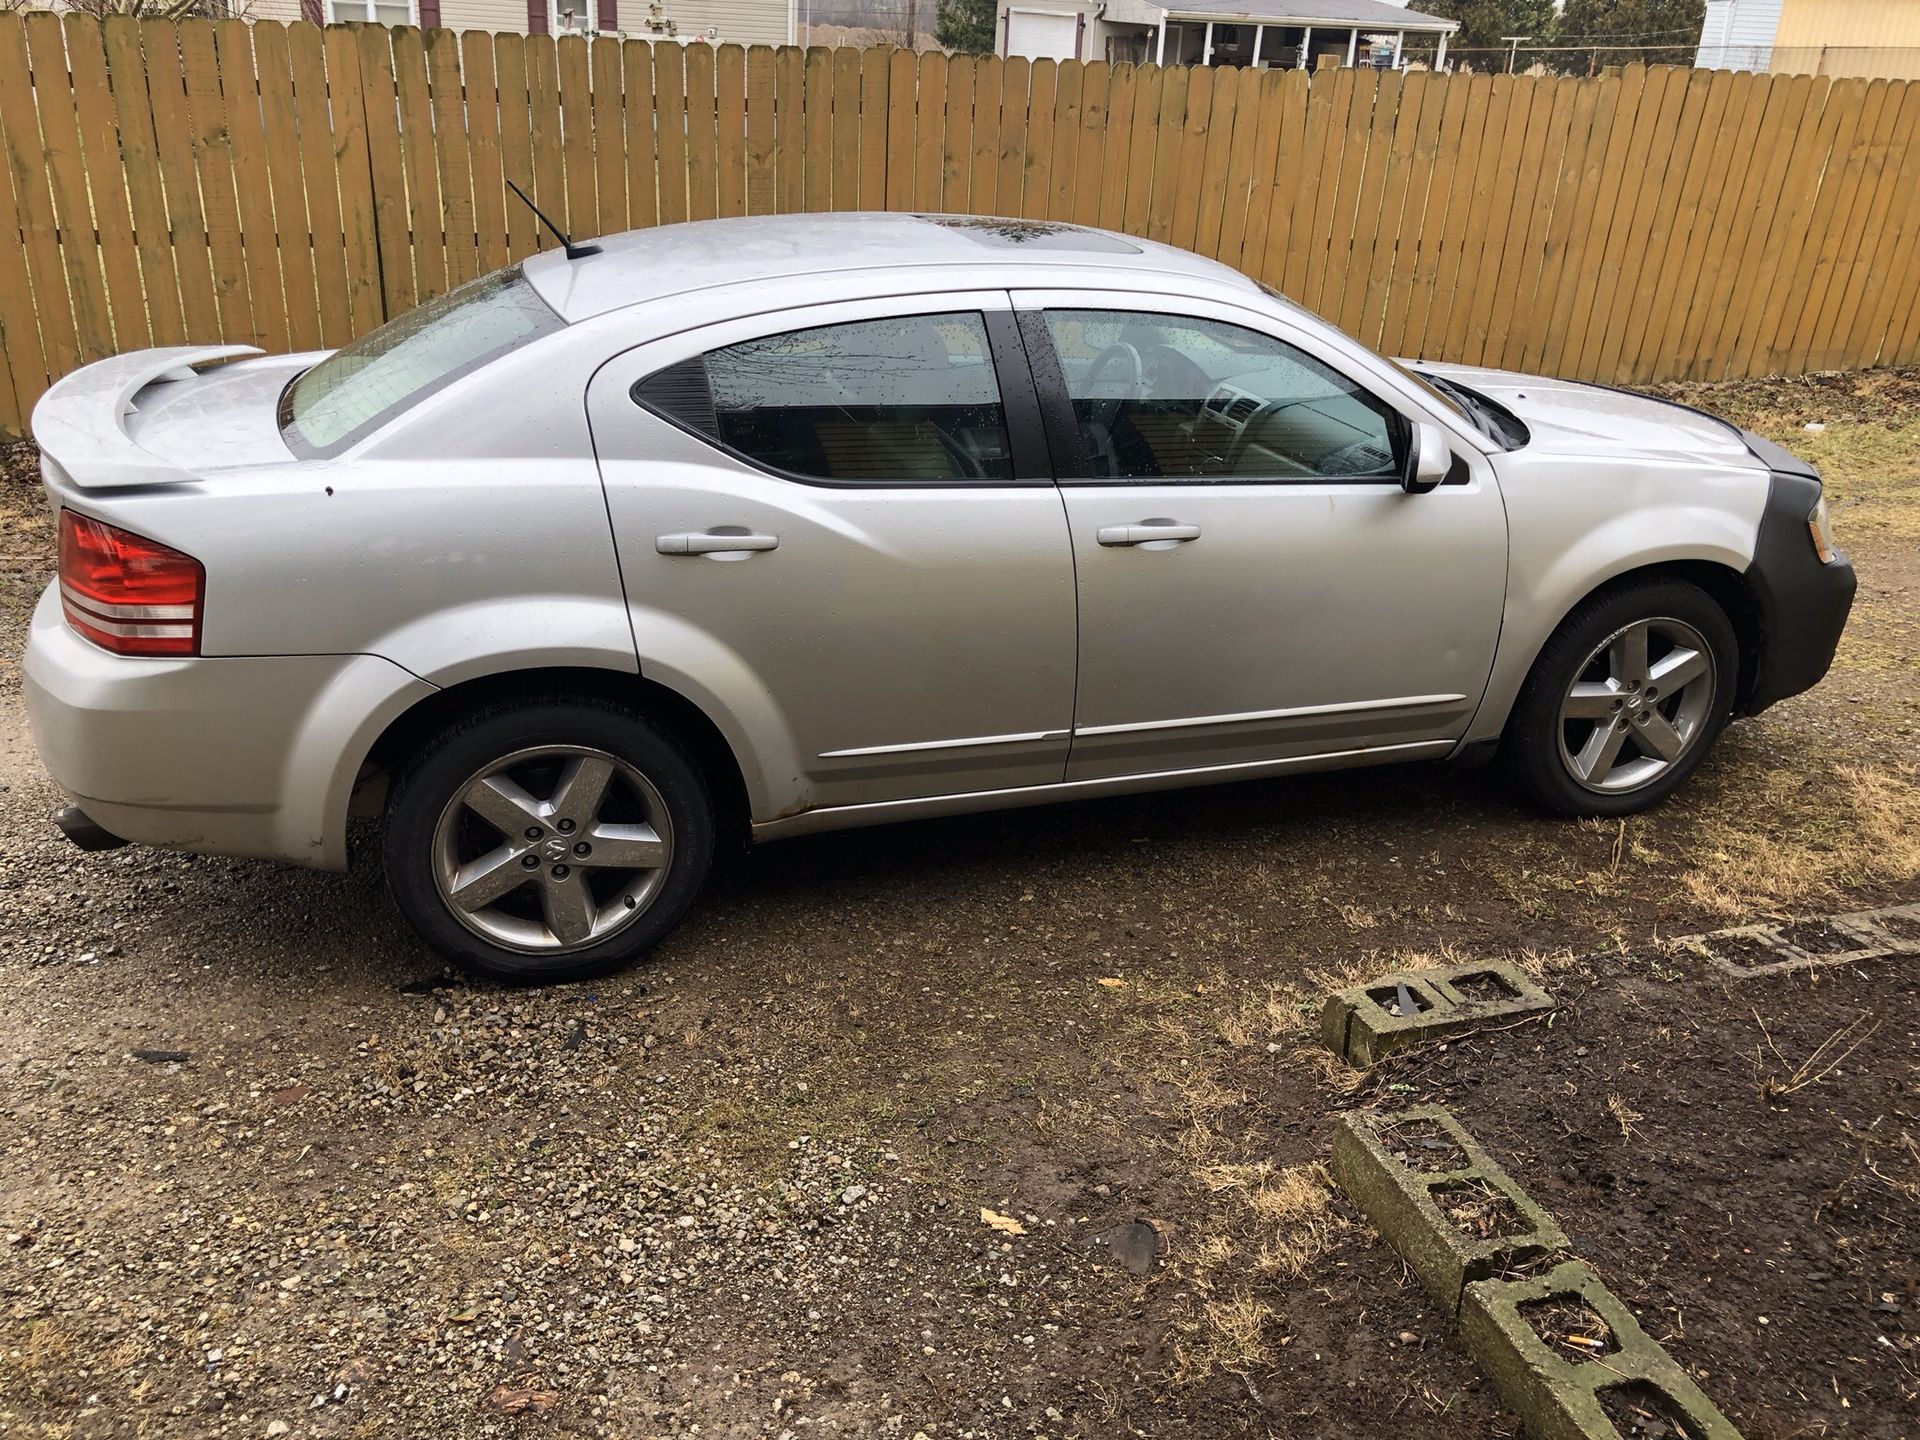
(292, 187)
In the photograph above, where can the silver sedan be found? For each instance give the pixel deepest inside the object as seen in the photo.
(768, 526)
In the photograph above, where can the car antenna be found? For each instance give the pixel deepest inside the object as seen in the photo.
(574, 252)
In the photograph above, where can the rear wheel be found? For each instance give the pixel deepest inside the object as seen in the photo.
(548, 841)
(1625, 699)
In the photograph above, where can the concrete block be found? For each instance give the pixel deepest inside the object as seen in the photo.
(1748, 951)
(1439, 1200)
(1897, 927)
(1364, 1024)
(1574, 1362)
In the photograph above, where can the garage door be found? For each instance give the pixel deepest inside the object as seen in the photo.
(1041, 36)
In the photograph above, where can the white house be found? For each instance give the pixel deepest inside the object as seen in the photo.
(742, 22)
(1282, 34)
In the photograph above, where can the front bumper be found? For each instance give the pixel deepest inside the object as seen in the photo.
(1803, 604)
(221, 755)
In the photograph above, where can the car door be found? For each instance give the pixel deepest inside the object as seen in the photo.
(1254, 582)
(836, 527)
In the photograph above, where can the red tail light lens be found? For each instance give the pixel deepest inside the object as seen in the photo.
(128, 594)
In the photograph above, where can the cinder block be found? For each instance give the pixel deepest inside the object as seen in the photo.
(1747, 951)
(1454, 1218)
(1575, 1363)
(1360, 1025)
(1897, 927)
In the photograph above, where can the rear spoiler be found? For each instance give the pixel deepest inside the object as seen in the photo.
(81, 422)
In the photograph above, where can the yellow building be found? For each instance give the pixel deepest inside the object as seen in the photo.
(1815, 37)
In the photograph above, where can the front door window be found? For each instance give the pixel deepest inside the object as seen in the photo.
(1169, 397)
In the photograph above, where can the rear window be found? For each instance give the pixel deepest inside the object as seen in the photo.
(354, 391)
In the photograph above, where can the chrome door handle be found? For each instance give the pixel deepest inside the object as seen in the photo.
(713, 542)
(1146, 533)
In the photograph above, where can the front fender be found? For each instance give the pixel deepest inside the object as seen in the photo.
(1576, 526)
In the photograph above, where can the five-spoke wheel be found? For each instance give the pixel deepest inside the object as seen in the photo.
(1625, 698)
(1640, 700)
(544, 841)
(552, 848)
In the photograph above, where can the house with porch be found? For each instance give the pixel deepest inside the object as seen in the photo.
(1277, 34)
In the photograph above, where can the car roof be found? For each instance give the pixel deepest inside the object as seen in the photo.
(643, 265)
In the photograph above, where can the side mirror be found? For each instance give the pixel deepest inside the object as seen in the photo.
(1428, 460)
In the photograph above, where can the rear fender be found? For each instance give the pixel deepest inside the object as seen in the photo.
(547, 632)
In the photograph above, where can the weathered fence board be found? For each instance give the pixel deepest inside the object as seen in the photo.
(286, 187)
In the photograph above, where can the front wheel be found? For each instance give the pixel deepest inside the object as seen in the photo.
(1625, 700)
(548, 841)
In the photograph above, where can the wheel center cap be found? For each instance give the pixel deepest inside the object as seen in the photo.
(1633, 702)
(556, 848)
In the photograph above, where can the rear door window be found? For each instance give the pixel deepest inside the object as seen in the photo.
(910, 399)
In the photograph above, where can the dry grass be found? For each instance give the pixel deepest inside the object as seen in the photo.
(1826, 1058)
(1273, 1224)
(1782, 840)
(36, 1363)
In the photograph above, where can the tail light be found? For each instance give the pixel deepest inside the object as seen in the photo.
(126, 593)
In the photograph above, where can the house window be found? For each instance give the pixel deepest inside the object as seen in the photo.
(572, 17)
(379, 12)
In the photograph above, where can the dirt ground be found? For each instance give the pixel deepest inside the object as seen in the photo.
(266, 1169)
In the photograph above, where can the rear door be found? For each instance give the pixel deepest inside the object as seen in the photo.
(839, 523)
(1254, 583)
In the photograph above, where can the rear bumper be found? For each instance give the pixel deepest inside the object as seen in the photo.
(245, 755)
(1803, 603)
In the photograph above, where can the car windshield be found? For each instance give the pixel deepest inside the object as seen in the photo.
(354, 391)
(1447, 398)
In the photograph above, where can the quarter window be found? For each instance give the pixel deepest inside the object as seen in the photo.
(1162, 397)
(908, 399)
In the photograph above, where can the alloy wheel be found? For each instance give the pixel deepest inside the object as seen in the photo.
(1639, 702)
(552, 849)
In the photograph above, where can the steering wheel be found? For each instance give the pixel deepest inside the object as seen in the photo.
(1132, 387)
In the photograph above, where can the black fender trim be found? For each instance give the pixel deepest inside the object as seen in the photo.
(1803, 604)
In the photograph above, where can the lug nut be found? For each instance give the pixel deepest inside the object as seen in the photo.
(560, 872)
(534, 832)
(532, 862)
(583, 849)
(566, 827)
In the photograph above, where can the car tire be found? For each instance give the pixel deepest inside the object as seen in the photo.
(1582, 699)
(482, 807)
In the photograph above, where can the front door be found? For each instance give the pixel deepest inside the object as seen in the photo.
(827, 525)
(1254, 583)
